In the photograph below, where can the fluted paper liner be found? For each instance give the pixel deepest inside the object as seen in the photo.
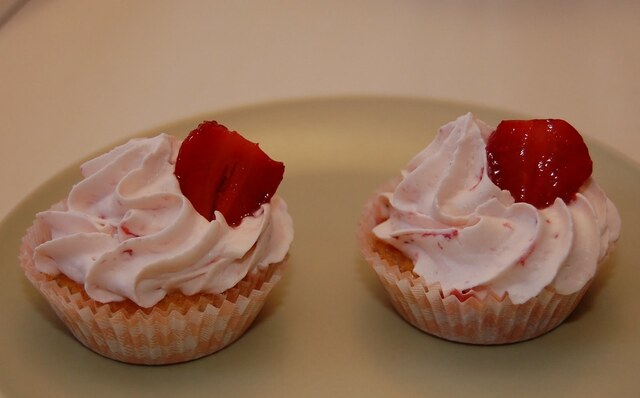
(175, 330)
(487, 320)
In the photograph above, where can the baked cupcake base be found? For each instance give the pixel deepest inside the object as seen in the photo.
(179, 328)
(477, 319)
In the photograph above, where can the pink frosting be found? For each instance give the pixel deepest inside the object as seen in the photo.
(464, 232)
(128, 232)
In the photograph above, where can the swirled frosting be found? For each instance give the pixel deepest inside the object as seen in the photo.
(464, 232)
(126, 231)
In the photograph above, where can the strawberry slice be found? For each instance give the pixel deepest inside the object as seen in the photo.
(538, 160)
(220, 170)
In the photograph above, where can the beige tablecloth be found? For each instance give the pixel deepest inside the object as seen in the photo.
(76, 76)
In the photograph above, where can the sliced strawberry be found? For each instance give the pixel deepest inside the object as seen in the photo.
(538, 160)
(462, 296)
(220, 170)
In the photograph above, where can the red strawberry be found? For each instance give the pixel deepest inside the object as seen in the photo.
(462, 296)
(538, 160)
(220, 170)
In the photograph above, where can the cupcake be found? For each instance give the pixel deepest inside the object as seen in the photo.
(165, 251)
(490, 235)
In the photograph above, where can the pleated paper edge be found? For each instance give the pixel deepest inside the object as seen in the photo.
(486, 321)
(158, 337)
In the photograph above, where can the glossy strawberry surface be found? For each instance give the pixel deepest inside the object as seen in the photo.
(220, 170)
(538, 160)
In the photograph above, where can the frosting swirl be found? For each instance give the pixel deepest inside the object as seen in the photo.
(126, 231)
(464, 232)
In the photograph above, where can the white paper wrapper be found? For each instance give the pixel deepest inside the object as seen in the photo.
(179, 328)
(485, 319)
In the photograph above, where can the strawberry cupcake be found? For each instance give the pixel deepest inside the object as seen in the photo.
(165, 251)
(490, 235)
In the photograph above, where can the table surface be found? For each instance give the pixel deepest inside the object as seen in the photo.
(76, 77)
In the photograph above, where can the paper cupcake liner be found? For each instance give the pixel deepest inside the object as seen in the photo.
(486, 319)
(179, 328)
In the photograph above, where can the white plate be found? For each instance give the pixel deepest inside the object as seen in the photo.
(328, 329)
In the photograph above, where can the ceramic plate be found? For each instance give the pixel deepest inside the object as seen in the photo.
(328, 328)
